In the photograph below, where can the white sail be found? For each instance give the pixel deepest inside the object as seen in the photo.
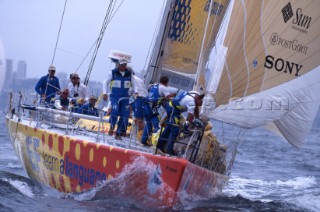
(291, 106)
(270, 74)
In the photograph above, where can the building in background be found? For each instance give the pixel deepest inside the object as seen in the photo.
(21, 72)
(2, 65)
(64, 79)
(8, 75)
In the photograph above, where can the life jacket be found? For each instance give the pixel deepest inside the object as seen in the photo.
(120, 85)
(154, 96)
(175, 103)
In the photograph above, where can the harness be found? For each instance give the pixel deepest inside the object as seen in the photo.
(175, 103)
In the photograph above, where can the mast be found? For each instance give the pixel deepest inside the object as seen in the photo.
(158, 47)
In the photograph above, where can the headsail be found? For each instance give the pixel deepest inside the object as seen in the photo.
(272, 57)
(181, 45)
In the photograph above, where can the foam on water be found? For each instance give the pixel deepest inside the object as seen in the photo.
(248, 188)
(22, 187)
(14, 166)
(298, 183)
(117, 187)
(311, 201)
(267, 191)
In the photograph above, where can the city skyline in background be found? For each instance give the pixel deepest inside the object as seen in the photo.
(15, 79)
(16, 72)
(29, 31)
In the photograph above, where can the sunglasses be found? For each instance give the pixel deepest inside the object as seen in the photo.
(75, 78)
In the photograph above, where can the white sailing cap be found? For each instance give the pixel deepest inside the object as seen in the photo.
(123, 61)
(52, 68)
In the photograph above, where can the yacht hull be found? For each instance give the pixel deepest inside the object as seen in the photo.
(72, 164)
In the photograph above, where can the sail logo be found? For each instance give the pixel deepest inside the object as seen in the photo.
(287, 12)
(181, 26)
(295, 45)
(300, 21)
(282, 65)
(216, 8)
(272, 103)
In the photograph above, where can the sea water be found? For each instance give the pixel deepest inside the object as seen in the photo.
(268, 175)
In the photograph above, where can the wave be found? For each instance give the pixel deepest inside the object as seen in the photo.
(125, 187)
(298, 183)
(300, 191)
(310, 201)
(22, 187)
(16, 184)
(126, 191)
(12, 165)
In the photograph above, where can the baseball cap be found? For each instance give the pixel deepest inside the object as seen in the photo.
(123, 61)
(52, 68)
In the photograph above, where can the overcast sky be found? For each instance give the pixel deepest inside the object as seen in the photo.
(29, 29)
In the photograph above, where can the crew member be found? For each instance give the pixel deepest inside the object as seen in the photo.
(62, 102)
(48, 86)
(116, 87)
(89, 108)
(77, 89)
(159, 95)
(184, 102)
(140, 98)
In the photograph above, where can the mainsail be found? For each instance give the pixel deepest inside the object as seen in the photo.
(190, 24)
(270, 74)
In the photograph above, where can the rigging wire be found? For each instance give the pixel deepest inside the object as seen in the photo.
(55, 49)
(148, 58)
(97, 44)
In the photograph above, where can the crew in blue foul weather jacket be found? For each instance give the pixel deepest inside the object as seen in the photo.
(89, 108)
(184, 102)
(116, 86)
(159, 95)
(48, 86)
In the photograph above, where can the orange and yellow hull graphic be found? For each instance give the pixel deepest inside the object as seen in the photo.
(75, 165)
